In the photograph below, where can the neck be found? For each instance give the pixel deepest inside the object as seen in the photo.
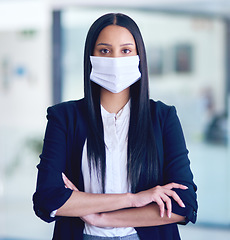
(114, 102)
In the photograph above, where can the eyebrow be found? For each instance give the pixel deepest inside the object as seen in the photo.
(106, 44)
(126, 44)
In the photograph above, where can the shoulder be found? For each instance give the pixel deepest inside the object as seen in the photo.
(67, 112)
(161, 110)
(68, 108)
(68, 105)
(163, 115)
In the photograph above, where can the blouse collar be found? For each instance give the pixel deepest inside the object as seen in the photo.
(120, 115)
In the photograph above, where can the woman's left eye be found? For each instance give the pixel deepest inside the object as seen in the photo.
(126, 51)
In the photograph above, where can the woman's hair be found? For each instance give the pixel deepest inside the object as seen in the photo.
(142, 161)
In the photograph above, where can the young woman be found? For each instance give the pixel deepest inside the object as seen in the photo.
(114, 165)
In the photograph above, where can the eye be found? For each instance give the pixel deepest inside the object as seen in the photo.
(126, 51)
(104, 51)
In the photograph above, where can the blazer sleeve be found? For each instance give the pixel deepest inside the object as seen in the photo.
(51, 193)
(177, 166)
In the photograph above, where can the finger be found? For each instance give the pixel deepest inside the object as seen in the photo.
(161, 205)
(68, 183)
(175, 197)
(75, 188)
(175, 185)
(72, 187)
(66, 180)
(168, 204)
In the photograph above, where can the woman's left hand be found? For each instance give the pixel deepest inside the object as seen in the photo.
(91, 219)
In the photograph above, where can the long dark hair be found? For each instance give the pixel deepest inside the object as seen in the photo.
(142, 162)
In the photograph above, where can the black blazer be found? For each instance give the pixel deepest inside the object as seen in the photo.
(62, 152)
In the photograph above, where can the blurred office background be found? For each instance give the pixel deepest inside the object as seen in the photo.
(41, 59)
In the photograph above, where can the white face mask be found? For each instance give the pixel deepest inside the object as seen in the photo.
(115, 74)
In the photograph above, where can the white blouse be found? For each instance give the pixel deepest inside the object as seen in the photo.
(115, 137)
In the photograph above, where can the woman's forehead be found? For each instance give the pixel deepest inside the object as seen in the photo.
(114, 33)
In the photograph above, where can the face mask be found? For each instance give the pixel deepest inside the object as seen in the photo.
(115, 74)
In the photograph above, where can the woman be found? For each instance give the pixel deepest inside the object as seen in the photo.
(114, 165)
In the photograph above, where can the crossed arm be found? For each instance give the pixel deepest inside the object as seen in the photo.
(146, 208)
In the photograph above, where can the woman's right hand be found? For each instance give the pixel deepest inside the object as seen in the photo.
(161, 196)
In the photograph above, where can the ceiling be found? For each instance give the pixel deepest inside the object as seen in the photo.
(219, 8)
(207, 7)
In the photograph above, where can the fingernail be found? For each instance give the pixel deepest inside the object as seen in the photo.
(183, 205)
(162, 215)
(170, 215)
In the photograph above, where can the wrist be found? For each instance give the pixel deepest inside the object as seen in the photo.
(102, 220)
(131, 200)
